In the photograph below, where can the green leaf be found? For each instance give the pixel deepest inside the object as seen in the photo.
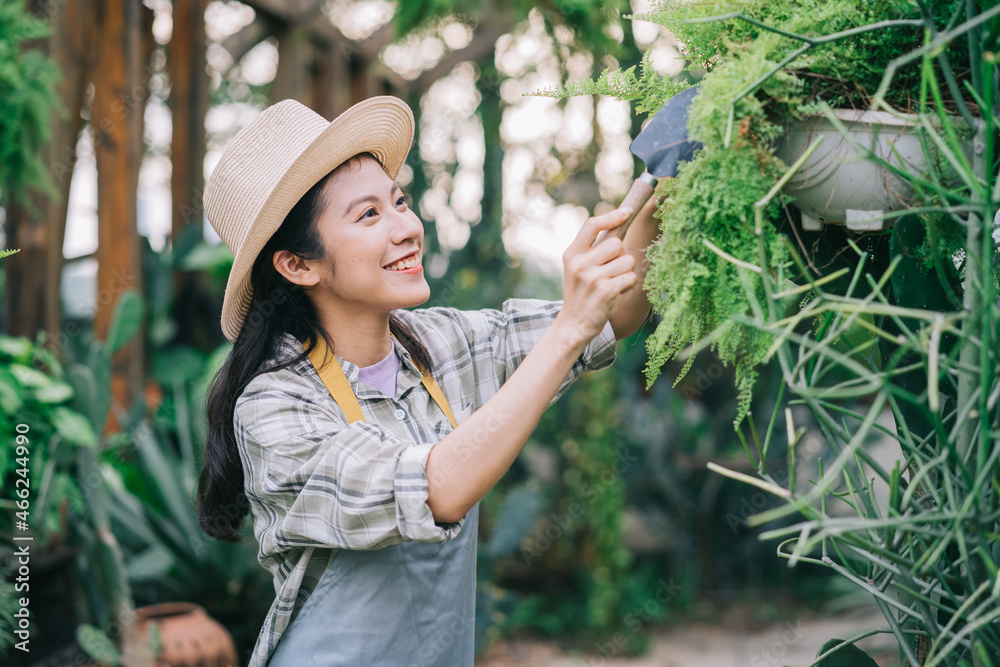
(205, 256)
(17, 348)
(73, 426)
(87, 396)
(846, 656)
(97, 644)
(28, 377)
(57, 392)
(167, 480)
(99, 362)
(178, 365)
(152, 564)
(10, 397)
(517, 515)
(126, 321)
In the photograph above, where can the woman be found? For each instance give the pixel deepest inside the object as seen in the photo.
(363, 469)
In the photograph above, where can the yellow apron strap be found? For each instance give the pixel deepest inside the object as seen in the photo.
(435, 391)
(336, 382)
(339, 387)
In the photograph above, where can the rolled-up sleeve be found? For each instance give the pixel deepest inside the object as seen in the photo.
(321, 482)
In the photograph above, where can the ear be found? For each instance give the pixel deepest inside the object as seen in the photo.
(304, 272)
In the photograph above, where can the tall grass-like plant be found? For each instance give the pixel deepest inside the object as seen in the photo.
(925, 303)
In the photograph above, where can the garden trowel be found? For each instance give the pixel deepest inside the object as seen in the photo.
(662, 145)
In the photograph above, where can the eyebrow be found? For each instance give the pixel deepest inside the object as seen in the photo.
(364, 199)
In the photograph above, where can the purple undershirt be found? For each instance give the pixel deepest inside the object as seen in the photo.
(382, 375)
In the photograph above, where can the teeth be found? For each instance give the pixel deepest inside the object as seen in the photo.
(403, 264)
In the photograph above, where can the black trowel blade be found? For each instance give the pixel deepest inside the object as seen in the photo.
(664, 142)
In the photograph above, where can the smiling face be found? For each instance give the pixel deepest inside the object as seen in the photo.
(373, 242)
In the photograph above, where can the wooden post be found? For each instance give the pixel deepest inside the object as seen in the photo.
(188, 105)
(290, 81)
(120, 91)
(321, 82)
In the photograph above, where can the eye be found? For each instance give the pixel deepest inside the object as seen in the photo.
(369, 213)
(403, 201)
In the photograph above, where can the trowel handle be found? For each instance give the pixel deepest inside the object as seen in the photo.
(637, 196)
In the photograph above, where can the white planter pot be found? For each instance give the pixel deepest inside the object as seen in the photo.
(838, 186)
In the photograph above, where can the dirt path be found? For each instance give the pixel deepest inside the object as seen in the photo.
(699, 644)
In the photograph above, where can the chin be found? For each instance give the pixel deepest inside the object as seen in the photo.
(416, 298)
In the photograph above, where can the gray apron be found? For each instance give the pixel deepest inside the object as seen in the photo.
(411, 604)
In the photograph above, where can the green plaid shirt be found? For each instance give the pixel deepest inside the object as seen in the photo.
(317, 484)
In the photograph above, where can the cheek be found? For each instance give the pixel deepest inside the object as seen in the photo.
(357, 254)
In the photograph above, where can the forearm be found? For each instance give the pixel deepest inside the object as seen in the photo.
(469, 461)
(632, 307)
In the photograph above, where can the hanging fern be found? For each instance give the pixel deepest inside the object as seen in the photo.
(7, 253)
(694, 290)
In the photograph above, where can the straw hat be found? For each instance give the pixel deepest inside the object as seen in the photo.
(274, 161)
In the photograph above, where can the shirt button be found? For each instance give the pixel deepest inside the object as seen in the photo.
(399, 414)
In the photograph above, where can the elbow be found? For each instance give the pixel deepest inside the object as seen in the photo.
(446, 512)
(624, 329)
(626, 325)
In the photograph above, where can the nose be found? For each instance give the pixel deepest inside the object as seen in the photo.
(407, 227)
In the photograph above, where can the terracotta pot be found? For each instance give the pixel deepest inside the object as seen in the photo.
(189, 636)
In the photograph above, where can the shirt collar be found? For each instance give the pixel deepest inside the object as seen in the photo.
(408, 377)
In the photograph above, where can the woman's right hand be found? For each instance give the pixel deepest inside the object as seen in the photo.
(593, 277)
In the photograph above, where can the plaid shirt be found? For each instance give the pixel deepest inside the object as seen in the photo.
(317, 485)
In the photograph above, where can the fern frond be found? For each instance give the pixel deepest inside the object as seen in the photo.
(650, 88)
(8, 253)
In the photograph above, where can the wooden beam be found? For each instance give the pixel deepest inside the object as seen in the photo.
(120, 92)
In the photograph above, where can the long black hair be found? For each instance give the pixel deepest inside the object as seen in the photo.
(277, 307)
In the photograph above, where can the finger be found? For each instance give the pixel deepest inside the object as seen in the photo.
(603, 251)
(616, 267)
(593, 226)
(625, 282)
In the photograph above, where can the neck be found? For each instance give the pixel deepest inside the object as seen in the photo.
(362, 339)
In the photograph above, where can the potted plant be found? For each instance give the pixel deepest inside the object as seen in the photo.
(735, 272)
(762, 68)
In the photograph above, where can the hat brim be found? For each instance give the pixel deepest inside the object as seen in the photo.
(382, 126)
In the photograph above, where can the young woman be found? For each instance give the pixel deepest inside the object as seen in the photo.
(358, 435)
